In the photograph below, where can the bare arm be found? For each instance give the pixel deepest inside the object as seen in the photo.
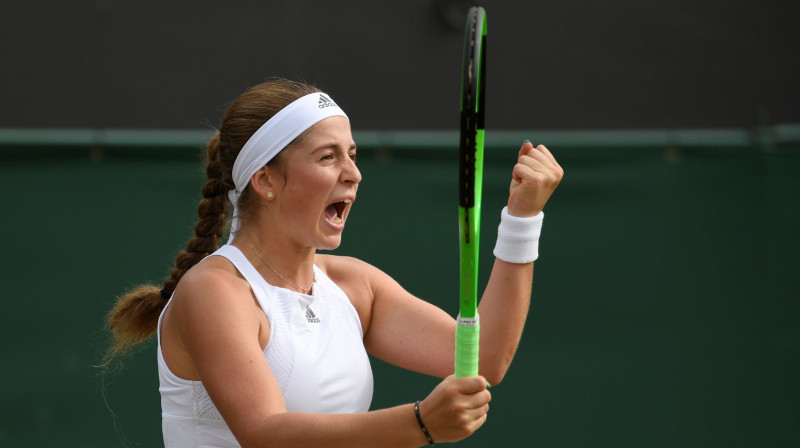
(393, 427)
(505, 303)
(414, 334)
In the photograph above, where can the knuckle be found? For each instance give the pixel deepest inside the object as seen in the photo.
(451, 389)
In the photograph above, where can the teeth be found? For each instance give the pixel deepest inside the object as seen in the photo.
(348, 201)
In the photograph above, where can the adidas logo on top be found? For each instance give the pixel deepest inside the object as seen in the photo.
(310, 316)
(324, 101)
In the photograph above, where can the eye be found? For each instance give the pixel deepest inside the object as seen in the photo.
(327, 156)
(354, 157)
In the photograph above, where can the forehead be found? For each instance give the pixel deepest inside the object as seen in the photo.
(331, 128)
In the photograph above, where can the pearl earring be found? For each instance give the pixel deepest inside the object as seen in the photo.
(269, 194)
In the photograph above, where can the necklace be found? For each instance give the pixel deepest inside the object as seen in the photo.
(294, 285)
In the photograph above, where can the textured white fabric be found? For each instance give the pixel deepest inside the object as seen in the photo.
(272, 137)
(518, 238)
(315, 352)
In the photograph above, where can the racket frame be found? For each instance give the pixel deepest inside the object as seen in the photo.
(471, 145)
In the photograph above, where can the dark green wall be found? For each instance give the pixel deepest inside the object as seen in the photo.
(665, 310)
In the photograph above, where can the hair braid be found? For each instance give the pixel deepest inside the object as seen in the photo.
(212, 211)
(135, 315)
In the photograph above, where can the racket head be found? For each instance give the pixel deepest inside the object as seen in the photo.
(473, 98)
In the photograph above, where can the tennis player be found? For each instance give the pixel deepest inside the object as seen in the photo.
(264, 341)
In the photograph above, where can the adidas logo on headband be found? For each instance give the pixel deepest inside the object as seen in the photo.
(324, 102)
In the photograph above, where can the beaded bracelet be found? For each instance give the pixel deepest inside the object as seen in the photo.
(422, 425)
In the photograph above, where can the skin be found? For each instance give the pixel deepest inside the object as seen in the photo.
(214, 322)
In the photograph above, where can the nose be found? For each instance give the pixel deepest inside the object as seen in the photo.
(351, 173)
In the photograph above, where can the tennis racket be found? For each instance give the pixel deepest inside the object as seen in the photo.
(473, 98)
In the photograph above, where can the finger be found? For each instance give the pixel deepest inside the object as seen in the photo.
(472, 415)
(541, 163)
(526, 146)
(478, 400)
(471, 385)
(553, 162)
(479, 420)
(528, 167)
(478, 412)
(524, 174)
(542, 157)
(546, 151)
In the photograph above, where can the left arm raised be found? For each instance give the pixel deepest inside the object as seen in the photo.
(404, 330)
(504, 305)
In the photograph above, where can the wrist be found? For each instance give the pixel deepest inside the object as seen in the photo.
(421, 424)
(514, 210)
(518, 237)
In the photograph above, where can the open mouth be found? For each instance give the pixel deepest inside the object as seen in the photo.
(335, 212)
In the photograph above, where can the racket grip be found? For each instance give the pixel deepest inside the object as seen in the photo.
(467, 344)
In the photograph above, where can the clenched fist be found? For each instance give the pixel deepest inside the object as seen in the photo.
(456, 408)
(534, 178)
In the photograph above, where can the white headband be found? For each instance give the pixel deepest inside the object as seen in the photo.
(272, 137)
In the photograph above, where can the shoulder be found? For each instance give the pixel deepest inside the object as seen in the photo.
(349, 271)
(212, 275)
(354, 275)
(361, 281)
(210, 289)
(352, 271)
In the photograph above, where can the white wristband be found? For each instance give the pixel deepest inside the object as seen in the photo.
(518, 238)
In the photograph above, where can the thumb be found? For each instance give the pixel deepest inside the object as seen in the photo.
(471, 385)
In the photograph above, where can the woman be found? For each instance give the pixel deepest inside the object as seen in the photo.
(263, 342)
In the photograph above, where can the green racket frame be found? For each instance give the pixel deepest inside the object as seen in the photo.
(473, 96)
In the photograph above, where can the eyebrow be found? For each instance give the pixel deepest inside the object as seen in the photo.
(333, 145)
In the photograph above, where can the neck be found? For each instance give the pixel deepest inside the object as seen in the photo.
(281, 264)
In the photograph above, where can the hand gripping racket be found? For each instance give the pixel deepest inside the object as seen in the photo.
(470, 177)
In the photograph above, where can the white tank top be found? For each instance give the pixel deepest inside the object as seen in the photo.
(315, 351)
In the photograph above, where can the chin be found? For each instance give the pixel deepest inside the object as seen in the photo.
(330, 245)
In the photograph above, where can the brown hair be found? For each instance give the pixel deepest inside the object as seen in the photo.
(134, 317)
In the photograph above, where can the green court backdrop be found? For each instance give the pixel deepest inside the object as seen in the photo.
(666, 303)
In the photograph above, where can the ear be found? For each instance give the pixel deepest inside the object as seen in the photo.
(265, 182)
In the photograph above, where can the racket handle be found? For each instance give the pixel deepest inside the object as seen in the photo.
(467, 344)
